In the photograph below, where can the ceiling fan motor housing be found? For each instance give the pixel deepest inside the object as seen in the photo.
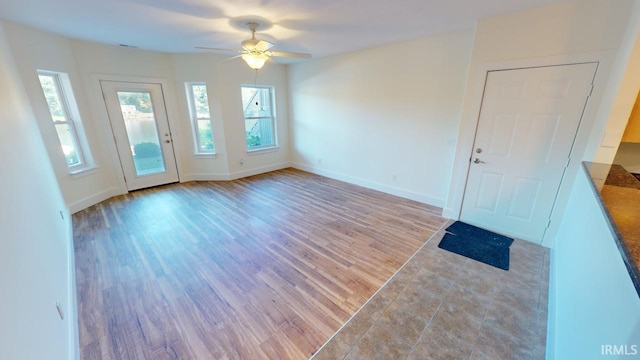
(250, 44)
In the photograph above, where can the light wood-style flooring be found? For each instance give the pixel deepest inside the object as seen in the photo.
(266, 267)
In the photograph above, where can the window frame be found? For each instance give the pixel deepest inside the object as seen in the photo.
(72, 120)
(193, 115)
(272, 116)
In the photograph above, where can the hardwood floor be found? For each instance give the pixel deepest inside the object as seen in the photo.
(266, 267)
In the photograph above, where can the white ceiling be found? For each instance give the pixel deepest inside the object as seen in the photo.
(319, 27)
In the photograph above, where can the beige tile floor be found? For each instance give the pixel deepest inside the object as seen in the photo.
(441, 305)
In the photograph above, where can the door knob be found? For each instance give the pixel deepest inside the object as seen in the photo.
(478, 161)
(167, 141)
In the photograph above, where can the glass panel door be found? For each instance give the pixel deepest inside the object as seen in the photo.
(142, 131)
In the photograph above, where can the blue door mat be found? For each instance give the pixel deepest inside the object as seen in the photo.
(477, 244)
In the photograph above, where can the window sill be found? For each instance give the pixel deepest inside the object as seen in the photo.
(205, 155)
(86, 171)
(263, 150)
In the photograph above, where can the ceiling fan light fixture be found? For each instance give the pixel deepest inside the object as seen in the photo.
(256, 52)
(255, 61)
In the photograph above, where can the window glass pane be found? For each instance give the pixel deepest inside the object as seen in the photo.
(259, 132)
(69, 148)
(140, 122)
(54, 87)
(200, 118)
(200, 101)
(258, 116)
(253, 132)
(52, 94)
(205, 135)
(256, 102)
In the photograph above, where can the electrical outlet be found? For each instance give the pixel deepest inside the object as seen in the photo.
(394, 177)
(241, 162)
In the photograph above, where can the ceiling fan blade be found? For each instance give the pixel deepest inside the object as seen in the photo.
(290, 55)
(263, 45)
(217, 49)
(233, 57)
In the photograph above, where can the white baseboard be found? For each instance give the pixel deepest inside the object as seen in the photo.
(448, 213)
(234, 175)
(260, 170)
(373, 185)
(94, 199)
(106, 194)
(552, 314)
(204, 177)
(72, 302)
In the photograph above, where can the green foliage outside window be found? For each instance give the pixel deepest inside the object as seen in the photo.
(146, 150)
(52, 96)
(141, 100)
(206, 138)
(199, 109)
(201, 101)
(252, 140)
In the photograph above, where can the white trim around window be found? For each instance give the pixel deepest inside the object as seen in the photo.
(200, 116)
(258, 108)
(67, 123)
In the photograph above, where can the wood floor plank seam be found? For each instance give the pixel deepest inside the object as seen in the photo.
(265, 267)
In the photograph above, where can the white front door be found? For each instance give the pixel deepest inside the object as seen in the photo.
(141, 130)
(527, 126)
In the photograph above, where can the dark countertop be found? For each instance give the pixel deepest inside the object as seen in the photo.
(619, 194)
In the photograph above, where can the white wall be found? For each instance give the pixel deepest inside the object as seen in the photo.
(233, 74)
(564, 28)
(85, 62)
(385, 118)
(97, 61)
(36, 262)
(224, 79)
(201, 68)
(568, 32)
(36, 50)
(620, 97)
(592, 299)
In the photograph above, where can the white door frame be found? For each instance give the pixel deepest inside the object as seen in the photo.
(471, 113)
(106, 125)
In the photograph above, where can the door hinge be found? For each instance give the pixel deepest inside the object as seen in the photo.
(590, 90)
(548, 223)
(568, 162)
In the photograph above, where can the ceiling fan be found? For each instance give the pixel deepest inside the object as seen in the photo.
(256, 52)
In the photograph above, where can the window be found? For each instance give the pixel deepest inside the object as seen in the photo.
(66, 119)
(259, 116)
(200, 118)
